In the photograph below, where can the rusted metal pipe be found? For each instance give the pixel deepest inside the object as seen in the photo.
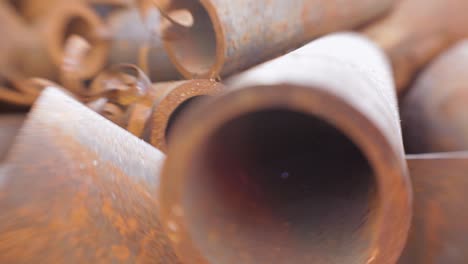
(76, 18)
(32, 10)
(292, 165)
(77, 189)
(416, 32)
(438, 233)
(16, 30)
(51, 23)
(230, 36)
(135, 42)
(147, 110)
(434, 110)
(170, 101)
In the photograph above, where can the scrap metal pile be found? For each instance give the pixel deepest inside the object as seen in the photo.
(234, 131)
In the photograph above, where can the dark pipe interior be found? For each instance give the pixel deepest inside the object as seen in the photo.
(178, 111)
(278, 186)
(195, 50)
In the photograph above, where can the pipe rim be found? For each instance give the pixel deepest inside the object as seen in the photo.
(393, 215)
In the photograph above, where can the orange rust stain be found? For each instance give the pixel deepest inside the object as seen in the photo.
(120, 225)
(132, 224)
(121, 252)
(107, 209)
(79, 215)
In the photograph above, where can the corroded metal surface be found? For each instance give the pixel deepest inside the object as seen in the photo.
(144, 109)
(230, 36)
(20, 91)
(77, 189)
(292, 165)
(417, 31)
(49, 24)
(170, 101)
(75, 18)
(439, 230)
(434, 110)
(136, 42)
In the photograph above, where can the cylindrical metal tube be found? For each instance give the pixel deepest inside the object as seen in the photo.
(75, 18)
(434, 110)
(43, 51)
(17, 32)
(32, 10)
(439, 227)
(416, 32)
(230, 36)
(302, 162)
(135, 42)
(77, 189)
(170, 101)
(144, 109)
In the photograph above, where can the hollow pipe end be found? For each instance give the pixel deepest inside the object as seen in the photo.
(76, 19)
(170, 103)
(387, 229)
(199, 52)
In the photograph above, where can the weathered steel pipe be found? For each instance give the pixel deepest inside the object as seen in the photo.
(77, 189)
(17, 31)
(51, 24)
(439, 231)
(434, 110)
(76, 18)
(135, 42)
(416, 32)
(292, 165)
(32, 10)
(170, 102)
(230, 36)
(146, 110)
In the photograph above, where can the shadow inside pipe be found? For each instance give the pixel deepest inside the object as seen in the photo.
(278, 186)
(179, 111)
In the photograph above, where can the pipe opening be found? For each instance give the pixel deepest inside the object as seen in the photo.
(179, 111)
(279, 186)
(80, 26)
(195, 49)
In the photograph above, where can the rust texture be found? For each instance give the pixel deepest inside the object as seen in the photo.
(135, 41)
(48, 25)
(170, 101)
(291, 165)
(434, 110)
(229, 36)
(438, 233)
(77, 189)
(416, 32)
(127, 97)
